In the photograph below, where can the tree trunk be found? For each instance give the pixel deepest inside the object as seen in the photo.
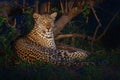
(64, 19)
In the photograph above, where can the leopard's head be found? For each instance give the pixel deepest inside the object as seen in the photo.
(45, 24)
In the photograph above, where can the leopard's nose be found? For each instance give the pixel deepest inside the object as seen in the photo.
(48, 27)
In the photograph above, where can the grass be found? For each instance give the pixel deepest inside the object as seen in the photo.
(106, 68)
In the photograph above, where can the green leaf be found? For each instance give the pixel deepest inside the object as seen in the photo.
(2, 19)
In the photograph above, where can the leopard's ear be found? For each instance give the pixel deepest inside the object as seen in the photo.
(53, 15)
(35, 15)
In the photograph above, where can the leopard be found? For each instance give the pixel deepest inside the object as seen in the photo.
(39, 44)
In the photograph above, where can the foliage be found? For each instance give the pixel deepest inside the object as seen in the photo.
(9, 34)
(86, 10)
(2, 19)
(102, 63)
(55, 9)
(103, 59)
(6, 38)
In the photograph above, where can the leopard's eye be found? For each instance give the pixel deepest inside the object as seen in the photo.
(43, 31)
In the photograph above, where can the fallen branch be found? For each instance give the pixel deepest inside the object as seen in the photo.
(65, 47)
(73, 36)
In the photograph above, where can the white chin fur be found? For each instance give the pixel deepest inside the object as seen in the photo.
(49, 35)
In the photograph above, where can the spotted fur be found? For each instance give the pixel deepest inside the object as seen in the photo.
(39, 44)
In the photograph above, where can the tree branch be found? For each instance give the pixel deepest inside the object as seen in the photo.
(70, 48)
(73, 35)
(45, 7)
(36, 6)
(65, 18)
(70, 4)
(66, 6)
(61, 5)
(96, 17)
(9, 25)
(48, 7)
(7, 19)
(99, 24)
(24, 5)
(108, 26)
(65, 47)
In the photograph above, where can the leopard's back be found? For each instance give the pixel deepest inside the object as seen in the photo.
(30, 52)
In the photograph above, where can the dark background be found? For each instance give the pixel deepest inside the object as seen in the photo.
(106, 61)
